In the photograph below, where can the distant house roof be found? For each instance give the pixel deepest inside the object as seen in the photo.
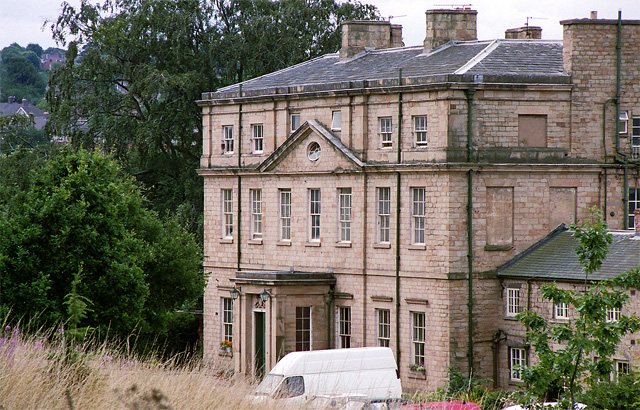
(11, 108)
(554, 258)
(502, 60)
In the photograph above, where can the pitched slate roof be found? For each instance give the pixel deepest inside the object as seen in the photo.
(554, 258)
(39, 116)
(497, 58)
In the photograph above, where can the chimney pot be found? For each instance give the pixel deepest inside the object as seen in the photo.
(594, 15)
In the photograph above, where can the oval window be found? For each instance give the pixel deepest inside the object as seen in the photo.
(313, 151)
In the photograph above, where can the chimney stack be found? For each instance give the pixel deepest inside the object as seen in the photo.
(444, 26)
(360, 34)
(594, 15)
(12, 99)
(24, 102)
(524, 33)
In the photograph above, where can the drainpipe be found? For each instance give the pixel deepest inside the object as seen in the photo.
(625, 198)
(604, 147)
(239, 251)
(469, 94)
(398, 180)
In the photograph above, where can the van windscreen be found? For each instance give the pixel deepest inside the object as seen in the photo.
(268, 385)
(291, 387)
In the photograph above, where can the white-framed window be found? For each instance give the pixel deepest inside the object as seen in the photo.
(561, 311)
(385, 126)
(295, 121)
(383, 199)
(314, 214)
(383, 327)
(612, 315)
(633, 204)
(256, 213)
(303, 328)
(344, 327)
(418, 337)
(635, 138)
(513, 301)
(622, 367)
(285, 214)
(226, 324)
(227, 139)
(227, 213)
(257, 139)
(336, 120)
(418, 215)
(420, 130)
(344, 214)
(624, 121)
(517, 360)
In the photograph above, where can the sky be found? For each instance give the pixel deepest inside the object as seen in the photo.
(21, 21)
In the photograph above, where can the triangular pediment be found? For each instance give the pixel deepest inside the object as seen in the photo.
(311, 148)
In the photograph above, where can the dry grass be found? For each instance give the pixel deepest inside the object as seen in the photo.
(43, 372)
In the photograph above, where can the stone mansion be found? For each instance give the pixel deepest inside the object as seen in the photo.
(379, 196)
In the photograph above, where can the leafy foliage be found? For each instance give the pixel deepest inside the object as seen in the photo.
(18, 131)
(580, 351)
(20, 73)
(66, 211)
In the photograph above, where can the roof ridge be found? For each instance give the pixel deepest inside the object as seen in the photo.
(484, 53)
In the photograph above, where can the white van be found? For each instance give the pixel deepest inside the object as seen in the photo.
(367, 373)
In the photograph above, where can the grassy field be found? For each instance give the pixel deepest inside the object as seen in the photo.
(44, 372)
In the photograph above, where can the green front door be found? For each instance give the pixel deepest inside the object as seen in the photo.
(259, 343)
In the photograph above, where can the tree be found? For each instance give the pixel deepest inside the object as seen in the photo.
(20, 73)
(261, 36)
(572, 354)
(75, 211)
(135, 69)
(18, 131)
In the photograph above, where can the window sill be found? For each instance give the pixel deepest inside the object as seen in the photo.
(254, 241)
(283, 243)
(382, 245)
(498, 247)
(257, 153)
(343, 244)
(510, 318)
(226, 240)
(225, 353)
(313, 244)
(417, 247)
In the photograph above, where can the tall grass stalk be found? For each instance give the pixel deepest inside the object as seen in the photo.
(43, 371)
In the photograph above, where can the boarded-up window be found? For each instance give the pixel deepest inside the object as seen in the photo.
(532, 130)
(500, 217)
(562, 206)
